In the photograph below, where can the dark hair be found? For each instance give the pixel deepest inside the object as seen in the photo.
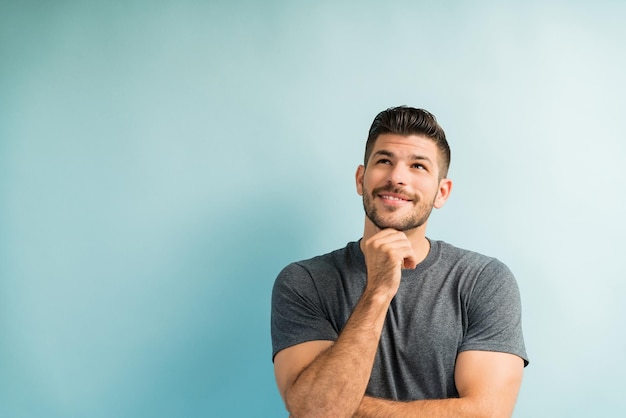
(404, 120)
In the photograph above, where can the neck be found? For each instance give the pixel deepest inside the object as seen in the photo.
(417, 237)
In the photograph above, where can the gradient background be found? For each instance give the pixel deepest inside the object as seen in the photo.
(160, 162)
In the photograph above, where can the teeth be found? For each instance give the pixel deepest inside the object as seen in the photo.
(392, 198)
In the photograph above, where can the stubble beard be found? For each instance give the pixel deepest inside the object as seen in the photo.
(412, 220)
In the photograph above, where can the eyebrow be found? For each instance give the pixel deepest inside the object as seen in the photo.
(413, 157)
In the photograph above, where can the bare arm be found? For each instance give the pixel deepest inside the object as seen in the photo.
(334, 383)
(487, 382)
(325, 379)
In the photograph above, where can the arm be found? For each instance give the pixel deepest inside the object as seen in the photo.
(487, 382)
(325, 379)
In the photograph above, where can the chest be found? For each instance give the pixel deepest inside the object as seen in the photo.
(426, 312)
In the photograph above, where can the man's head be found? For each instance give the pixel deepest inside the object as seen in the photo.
(406, 121)
(405, 172)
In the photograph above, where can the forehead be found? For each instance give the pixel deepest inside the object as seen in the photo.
(407, 146)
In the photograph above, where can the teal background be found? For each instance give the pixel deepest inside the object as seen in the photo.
(160, 162)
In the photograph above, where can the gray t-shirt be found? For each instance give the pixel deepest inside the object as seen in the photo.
(455, 300)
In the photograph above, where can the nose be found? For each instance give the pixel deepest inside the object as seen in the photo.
(398, 174)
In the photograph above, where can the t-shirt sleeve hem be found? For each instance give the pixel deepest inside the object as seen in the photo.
(497, 348)
(293, 343)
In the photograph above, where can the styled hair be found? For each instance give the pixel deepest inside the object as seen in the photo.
(404, 120)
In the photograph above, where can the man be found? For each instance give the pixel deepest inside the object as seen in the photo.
(396, 324)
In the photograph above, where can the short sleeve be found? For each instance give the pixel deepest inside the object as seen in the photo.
(494, 313)
(297, 314)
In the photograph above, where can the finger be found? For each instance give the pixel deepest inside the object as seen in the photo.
(410, 262)
(388, 235)
(384, 232)
(399, 248)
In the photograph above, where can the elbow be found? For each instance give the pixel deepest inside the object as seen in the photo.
(307, 407)
(303, 411)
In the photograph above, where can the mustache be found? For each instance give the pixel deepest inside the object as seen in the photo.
(395, 190)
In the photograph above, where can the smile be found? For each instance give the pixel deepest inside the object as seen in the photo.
(393, 198)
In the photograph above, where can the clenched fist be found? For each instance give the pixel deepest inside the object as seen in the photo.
(386, 253)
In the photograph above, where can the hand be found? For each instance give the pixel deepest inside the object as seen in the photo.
(386, 253)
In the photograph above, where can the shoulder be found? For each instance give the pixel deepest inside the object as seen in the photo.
(451, 254)
(456, 254)
(471, 266)
(323, 266)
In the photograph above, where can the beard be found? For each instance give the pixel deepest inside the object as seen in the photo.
(412, 220)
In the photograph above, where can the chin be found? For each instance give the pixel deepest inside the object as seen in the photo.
(398, 226)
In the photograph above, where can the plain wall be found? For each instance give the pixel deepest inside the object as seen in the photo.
(160, 162)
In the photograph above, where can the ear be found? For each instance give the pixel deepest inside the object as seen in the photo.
(445, 187)
(360, 172)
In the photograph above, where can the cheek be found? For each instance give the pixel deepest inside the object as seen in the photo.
(429, 191)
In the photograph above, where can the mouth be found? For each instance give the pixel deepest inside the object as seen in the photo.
(393, 198)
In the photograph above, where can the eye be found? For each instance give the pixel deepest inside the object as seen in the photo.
(419, 166)
(383, 161)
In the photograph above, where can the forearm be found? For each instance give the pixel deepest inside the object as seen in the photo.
(381, 408)
(487, 383)
(333, 385)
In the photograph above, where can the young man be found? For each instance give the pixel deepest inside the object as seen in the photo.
(396, 324)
